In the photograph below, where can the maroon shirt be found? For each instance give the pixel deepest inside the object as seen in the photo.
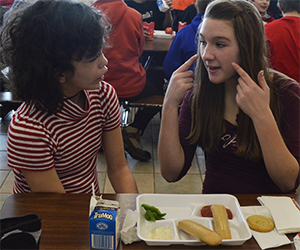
(228, 173)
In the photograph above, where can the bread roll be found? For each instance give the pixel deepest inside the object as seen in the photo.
(221, 221)
(200, 232)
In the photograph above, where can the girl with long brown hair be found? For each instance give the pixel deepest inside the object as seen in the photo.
(243, 115)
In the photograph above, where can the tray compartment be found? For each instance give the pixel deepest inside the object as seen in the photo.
(149, 225)
(186, 237)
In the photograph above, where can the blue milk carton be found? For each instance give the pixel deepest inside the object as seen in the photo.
(104, 223)
(162, 6)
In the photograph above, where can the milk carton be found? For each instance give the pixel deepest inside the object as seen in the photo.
(104, 223)
(162, 6)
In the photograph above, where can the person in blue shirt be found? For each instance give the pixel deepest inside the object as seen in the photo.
(185, 42)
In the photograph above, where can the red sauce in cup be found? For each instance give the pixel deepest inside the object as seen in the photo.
(206, 212)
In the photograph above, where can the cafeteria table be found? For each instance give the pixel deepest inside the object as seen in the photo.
(152, 59)
(157, 44)
(155, 49)
(65, 223)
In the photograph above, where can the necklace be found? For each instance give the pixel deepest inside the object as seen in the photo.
(68, 98)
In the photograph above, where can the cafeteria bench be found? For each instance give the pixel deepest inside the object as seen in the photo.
(128, 109)
(8, 102)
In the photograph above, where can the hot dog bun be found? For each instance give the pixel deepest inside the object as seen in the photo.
(200, 232)
(221, 221)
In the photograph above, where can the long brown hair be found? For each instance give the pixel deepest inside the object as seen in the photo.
(208, 98)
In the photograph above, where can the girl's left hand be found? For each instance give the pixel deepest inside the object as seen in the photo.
(252, 98)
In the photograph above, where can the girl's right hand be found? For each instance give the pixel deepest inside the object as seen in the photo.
(181, 81)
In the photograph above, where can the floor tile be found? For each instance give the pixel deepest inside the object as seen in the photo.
(3, 140)
(108, 189)
(101, 178)
(145, 182)
(3, 175)
(8, 184)
(101, 164)
(3, 160)
(200, 158)
(139, 166)
(189, 184)
(155, 159)
(3, 197)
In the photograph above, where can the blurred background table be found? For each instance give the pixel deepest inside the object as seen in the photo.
(158, 44)
(65, 223)
(152, 59)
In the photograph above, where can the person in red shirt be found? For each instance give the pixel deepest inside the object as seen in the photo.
(125, 72)
(178, 7)
(262, 6)
(283, 37)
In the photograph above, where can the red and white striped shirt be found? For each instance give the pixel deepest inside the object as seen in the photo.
(68, 141)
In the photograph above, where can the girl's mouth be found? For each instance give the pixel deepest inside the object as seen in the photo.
(212, 69)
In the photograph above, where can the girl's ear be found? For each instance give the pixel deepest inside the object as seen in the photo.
(62, 78)
(279, 6)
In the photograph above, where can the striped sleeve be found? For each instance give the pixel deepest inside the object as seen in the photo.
(29, 145)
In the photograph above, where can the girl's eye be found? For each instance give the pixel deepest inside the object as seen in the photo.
(93, 59)
(203, 43)
(220, 45)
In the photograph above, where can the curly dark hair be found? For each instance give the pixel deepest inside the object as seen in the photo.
(40, 42)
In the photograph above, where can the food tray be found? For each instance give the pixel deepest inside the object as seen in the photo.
(184, 206)
(163, 34)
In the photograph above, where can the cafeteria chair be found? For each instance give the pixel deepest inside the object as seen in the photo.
(20, 232)
(8, 100)
(128, 109)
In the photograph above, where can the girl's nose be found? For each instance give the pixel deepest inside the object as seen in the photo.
(103, 61)
(207, 53)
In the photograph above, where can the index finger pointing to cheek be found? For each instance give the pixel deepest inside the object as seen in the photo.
(238, 68)
(184, 67)
(240, 71)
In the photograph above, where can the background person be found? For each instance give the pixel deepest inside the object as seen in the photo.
(273, 7)
(283, 37)
(54, 51)
(178, 7)
(248, 131)
(263, 8)
(184, 45)
(162, 20)
(125, 72)
(189, 14)
(151, 13)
